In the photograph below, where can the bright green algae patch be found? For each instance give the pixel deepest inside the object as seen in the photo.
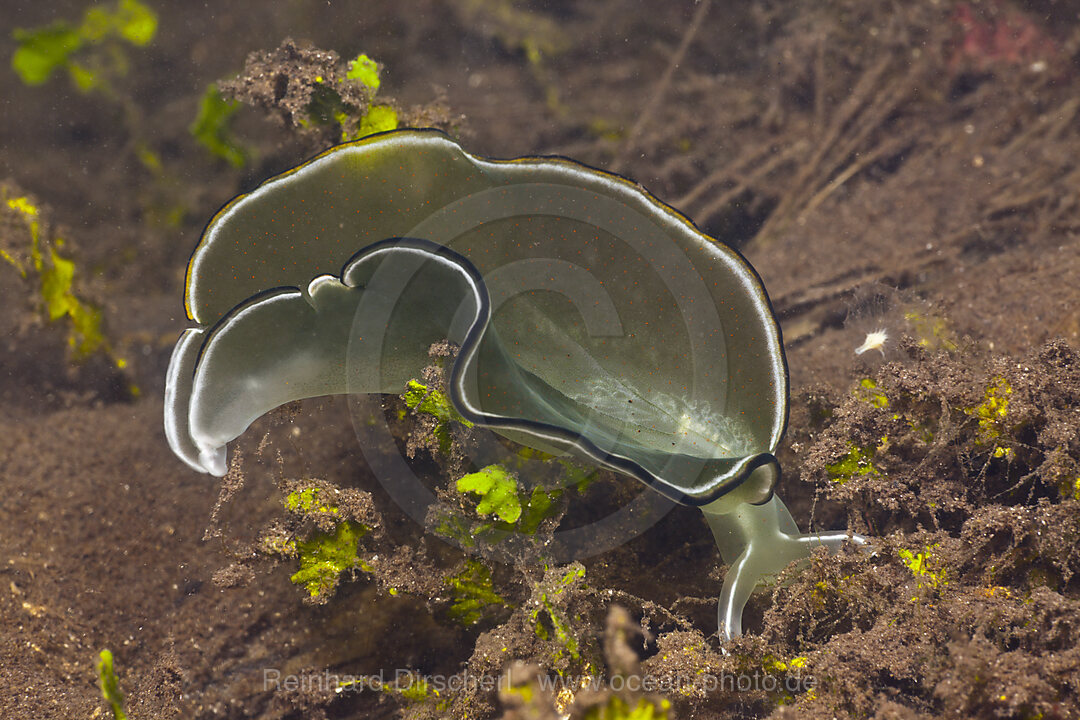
(430, 401)
(307, 500)
(365, 70)
(355, 122)
(325, 556)
(856, 462)
(920, 564)
(617, 708)
(423, 399)
(110, 686)
(378, 118)
(513, 509)
(44, 50)
(56, 275)
(993, 410)
(37, 255)
(497, 490)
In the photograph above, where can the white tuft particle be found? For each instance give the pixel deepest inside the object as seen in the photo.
(874, 341)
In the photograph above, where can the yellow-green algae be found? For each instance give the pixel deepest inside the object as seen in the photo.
(211, 127)
(473, 593)
(325, 556)
(856, 462)
(497, 490)
(56, 280)
(110, 686)
(307, 500)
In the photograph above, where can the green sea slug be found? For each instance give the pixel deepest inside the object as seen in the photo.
(591, 318)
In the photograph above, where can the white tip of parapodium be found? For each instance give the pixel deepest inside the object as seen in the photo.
(214, 461)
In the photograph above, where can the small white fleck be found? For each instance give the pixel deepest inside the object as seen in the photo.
(874, 341)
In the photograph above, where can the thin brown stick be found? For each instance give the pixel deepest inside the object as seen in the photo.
(745, 183)
(819, 88)
(850, 171)
(706, 184)
(863, 114)
(847, 112)
(1050, 125)
(731, 173)
(662, 86)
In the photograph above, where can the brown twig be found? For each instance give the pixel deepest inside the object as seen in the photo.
(851, 170)
(706, 213)
(866, 111)
(662, 86)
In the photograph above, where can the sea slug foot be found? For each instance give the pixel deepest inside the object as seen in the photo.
(758, 542)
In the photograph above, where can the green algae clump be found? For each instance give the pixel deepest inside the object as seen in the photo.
(473, 593)
(325, 556)
(497, 490)
(856, 462)
(44, 50)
